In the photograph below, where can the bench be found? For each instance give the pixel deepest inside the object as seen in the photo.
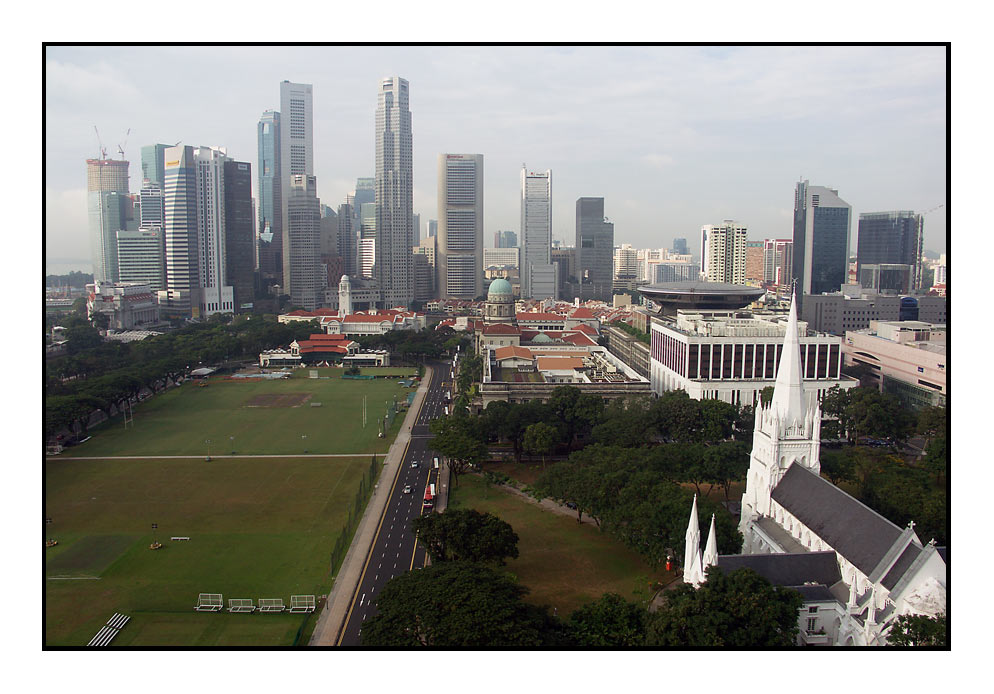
(118, 620)
(209, 602)
(240, 605)
(302, 603)
(271, 605)
(179, 538)
(103, 637)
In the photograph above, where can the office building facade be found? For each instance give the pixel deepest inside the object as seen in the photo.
(296, 151)
(216, 293)
(778, 261)
(680, 247)
(594, 249)
(394, 191)
(891, 238)
(302, 249)
(181, 238)
(141, 257)
(754, 268)
(536, 234)
(459, 257)
(270, 206)
(505, 239)
(239, 233)
(154, 165)
(346, 239)
(822, 222)
(723, 252)
(108, 208)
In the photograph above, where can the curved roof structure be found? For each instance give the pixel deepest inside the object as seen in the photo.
(694, 295)
(499, 287)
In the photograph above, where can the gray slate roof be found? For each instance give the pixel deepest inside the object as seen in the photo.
(904, 561)
(787, 569)
(858, 533)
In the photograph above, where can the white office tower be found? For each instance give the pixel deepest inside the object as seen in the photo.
(140, 257)
(215, 295)
(723, 252)
(460, 226)
(151, 207)
(394, 267)
(296, 149)
(626, 263)
(302, 276)
(538, 274)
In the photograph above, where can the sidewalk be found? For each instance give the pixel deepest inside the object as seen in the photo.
(332, 616)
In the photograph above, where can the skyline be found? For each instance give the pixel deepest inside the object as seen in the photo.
(712, 133)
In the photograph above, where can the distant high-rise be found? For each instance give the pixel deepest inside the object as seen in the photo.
(270, 208)
(151, 206)
(394, 189)
(346, 239)
(754, 261)
(505, 239)
(416, 226)
(594, 249)
(216, 292)
(140, 257)
(723, 252)
(822, 221)
(302, 244)
(778, 261)
(536, 235)
(892, 238)
(626, 265)
(296, 150)
(239, 237)
(432, 228)
(680, 247)
(460, 226)
(154, 165)
(108, 208)
(181, 238)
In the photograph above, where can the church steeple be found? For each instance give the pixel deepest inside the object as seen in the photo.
(711, 549)
(788, 393)
(692, 550)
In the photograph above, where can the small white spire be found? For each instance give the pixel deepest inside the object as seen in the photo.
(711, 549)
(788, 392)
(692, 550)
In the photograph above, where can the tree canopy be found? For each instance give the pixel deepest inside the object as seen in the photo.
(919, 631)
(466, 535)
(609, 621)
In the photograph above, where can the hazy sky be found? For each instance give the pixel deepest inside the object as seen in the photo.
(671, 137)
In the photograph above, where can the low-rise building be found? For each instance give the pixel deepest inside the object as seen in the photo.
(127, 305)
(629, 349)
(906, 358)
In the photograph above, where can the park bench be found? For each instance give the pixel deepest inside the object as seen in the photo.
(302, 603)
(118, 620)
(179, 538)
(103, 637)
(271, 605)
(240, 605)
(209, 602)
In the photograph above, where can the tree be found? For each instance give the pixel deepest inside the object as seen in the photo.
(725, 463)
(837, 466)
(466, 535)
(676, 416)
(625, 422)
(740, 609)
(936, 460)
(609, 621)
(931, 422)
(458, 439)
(919, 631)
(458, 604)
(539, 439)
(717, 420)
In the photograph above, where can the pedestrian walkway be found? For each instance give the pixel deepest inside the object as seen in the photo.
(333, 615)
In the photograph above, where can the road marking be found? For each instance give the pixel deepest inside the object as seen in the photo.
(363, 598)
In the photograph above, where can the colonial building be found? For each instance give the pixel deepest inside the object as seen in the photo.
(856, 570)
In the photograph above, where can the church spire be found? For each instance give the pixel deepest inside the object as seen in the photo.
(711, 549)
(788, 393)
(692, 550)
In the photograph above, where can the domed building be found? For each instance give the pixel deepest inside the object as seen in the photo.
(500, 303)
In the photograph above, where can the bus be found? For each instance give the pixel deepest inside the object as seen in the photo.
(429, 502)
(436, 462)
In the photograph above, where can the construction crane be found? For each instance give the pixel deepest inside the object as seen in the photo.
(120, 148)
(103, 150)
(941, 204)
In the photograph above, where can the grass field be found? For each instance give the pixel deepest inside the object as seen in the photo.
(564, 564)
(259, 528)
(251, 417)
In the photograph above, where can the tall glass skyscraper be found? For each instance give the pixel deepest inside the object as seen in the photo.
(459, 258)
(153, 165)
(394, 190)
(303, 252)
(594, 249)
(270, 206)
(239, 240)
(822, 221)
(108, 207)
(181, 240)
(296, 153)
(536, 235)
(891, 238)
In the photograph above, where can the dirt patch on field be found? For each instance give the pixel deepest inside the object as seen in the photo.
(278, 400)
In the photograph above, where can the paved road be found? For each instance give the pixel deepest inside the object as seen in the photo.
(395, 549)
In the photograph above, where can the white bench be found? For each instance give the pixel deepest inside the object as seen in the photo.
(240, 605)
(271, 605)
(118, 620)
(179, 538)
(209, 602)
(103, 637)
(302, 603)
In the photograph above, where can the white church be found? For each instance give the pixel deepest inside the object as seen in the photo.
(856, 570)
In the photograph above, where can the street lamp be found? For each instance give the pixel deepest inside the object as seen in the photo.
(232, 439)
(303, 440)
(208, 442)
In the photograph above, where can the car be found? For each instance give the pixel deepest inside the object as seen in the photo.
(407, 489)
(414, 463)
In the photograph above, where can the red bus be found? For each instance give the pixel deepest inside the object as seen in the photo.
(429, 502)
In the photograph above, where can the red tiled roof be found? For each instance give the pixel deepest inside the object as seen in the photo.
(325, 337)
(586, 329)
(501, 329)
(559, 363)
(512, 351)
(578, 339)
(581, 312)
(363, 318)
(539, 316)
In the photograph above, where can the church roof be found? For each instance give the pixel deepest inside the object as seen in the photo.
(858, 533)
(902, 564)
(787, 569)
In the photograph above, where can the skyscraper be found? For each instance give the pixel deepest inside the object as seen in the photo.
(394, 183)
(181, 240)
(108, 205)
(302, 250)
(460, 226)
(822, 222)
(680, 247)
(154, 165)
(536, 235)
(140, 257)
(432, 228)
(594, 249)
(416, 226)
(216, 292)
(723, 252)
(239, 240)
(778, 261)
(346, 237)
(505, 239)
(151, 206)
(893, 238)
(296, 151)
(270, 208)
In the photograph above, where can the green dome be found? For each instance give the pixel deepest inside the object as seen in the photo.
(499, 288)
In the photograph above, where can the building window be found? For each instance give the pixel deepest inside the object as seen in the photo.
(813, 609)
(812, 625)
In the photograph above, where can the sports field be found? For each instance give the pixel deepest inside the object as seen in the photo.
(258, 528)
(252, 417)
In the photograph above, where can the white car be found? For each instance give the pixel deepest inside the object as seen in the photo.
(414, 463)
(407, 489)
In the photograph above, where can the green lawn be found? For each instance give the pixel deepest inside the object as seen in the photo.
(564, 564)
(232, 414)
(258, 528)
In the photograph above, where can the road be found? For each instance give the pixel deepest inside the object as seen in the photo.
(395, 548)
